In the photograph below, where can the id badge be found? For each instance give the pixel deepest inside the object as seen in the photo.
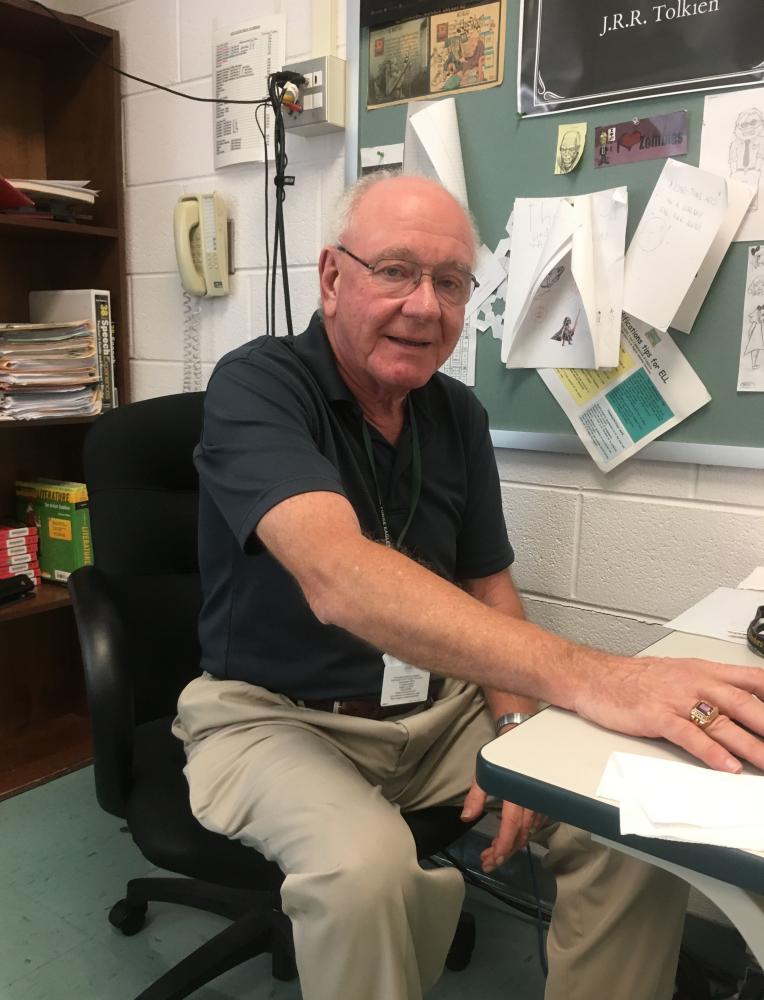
(403, 683)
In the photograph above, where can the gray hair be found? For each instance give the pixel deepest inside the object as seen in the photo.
(351, 196)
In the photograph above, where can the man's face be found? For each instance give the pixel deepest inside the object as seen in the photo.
(568, 149)
(387, 346)
(748, 123)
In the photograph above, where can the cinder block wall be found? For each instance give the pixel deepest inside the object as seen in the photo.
(601, 559)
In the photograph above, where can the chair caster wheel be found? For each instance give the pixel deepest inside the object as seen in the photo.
(460, 952)
(126, 918)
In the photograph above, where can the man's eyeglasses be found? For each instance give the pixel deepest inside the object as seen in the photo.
(398, 278)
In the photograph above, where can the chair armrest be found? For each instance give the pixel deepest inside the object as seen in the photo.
(108, 685)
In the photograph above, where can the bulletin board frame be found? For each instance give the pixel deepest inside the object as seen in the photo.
(506, 156)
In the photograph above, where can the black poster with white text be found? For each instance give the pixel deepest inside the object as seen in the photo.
(583, 53)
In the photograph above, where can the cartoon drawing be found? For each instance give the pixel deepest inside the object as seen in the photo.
(540, 222)
(757, 286)
(758, 256)
(746, 154)
(755, 343)
(553, 277)
(565, 334)
(652, 232)
(569, 152)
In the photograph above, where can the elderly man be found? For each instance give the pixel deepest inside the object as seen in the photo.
(355, 567)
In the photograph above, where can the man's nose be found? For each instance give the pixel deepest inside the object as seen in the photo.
(423, 300)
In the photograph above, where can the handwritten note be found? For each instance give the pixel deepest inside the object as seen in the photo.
(684, 214)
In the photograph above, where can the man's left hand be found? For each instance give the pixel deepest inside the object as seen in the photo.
(516, 826)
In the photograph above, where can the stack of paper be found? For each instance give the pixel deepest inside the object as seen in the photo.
(48, 369)
(66, 201)
(675, 801)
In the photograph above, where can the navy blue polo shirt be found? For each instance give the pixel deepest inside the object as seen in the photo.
(279, 421)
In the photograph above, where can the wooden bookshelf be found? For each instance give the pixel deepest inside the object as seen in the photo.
(60, 117)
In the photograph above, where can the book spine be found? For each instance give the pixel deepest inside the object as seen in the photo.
(59, 493)
(20, 531)
(102, 311)
(83, 555)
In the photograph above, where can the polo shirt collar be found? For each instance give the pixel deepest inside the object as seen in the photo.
(314, 348)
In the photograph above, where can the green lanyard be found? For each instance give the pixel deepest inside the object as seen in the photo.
(416, 477)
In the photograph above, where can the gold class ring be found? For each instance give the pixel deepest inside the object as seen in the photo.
(703, 714)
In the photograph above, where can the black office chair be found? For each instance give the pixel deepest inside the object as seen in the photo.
(136, 611)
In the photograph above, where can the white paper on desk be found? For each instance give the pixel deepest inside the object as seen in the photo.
(432, 146)
(724, 614)
(676, 801)
(674, 235)
(739, 198)
(754, 580)
(565, 281)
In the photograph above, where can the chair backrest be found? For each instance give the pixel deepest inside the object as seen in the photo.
(143, 491)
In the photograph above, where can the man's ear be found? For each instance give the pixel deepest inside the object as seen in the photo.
(328, 276)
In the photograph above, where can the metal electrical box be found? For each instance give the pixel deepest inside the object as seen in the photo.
(320, 107)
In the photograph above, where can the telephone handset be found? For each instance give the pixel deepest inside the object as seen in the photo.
(201, 244)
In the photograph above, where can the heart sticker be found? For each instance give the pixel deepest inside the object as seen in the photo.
(629, 139)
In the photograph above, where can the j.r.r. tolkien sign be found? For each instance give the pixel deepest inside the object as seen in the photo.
(581, 53)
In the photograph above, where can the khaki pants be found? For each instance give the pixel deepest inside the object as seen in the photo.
(321, 795)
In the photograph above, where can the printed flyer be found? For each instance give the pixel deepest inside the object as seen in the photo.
(618, 412)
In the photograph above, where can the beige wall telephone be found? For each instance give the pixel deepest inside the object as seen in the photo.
(201, 244)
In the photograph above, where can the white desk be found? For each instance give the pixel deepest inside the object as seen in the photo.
(553, 763)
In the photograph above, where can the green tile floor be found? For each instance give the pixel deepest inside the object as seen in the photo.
(64, 862)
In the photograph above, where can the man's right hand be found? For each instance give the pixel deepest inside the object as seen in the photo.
(650, 696)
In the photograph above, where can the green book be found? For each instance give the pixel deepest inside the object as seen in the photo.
(60, 511)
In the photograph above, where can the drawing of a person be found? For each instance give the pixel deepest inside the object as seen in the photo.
(758, 256)
(755, 343)
(473, 57)
(747, 149)
(570, 145)
(565, 334)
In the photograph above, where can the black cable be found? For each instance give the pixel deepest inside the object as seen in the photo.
(541, 919)
(139, 79)
(263, 133)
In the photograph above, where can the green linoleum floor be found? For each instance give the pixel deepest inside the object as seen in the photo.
(64, 862)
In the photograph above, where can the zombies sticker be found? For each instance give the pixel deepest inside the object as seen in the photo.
(641, 139)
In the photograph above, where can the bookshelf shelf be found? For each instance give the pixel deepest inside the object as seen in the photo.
(49, 228)
(60, 117)
(49, 597)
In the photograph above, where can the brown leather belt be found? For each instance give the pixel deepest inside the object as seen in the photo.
(364, 709)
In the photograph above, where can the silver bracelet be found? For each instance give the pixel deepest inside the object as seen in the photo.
(511, 719)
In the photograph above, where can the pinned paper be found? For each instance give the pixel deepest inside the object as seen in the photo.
(678, 227)
(751, 365)
(381, 157)
(432, 146)
(571, 140)
(565, 281)
(732, 144)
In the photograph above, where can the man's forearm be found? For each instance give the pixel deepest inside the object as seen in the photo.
(397, 605)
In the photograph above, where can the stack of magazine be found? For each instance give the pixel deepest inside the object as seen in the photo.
(63, 201)
(48, 370)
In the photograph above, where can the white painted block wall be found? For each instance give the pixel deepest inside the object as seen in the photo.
(601, 559)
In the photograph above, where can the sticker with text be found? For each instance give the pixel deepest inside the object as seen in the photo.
(640, 139)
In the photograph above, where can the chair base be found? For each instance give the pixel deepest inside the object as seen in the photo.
(258, 927)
